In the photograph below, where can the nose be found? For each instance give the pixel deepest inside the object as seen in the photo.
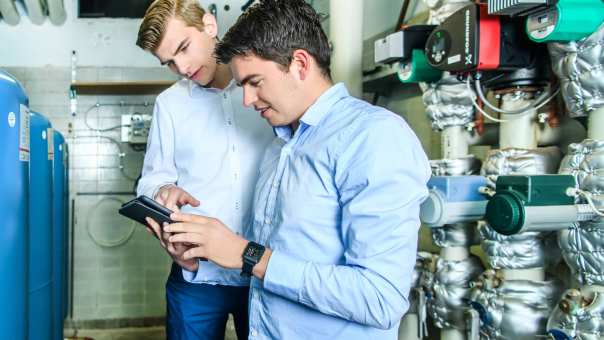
(182, 67)
(250, 96)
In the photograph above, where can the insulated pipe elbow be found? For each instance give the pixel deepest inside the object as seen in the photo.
(9, 12)
(56, 12)
(36, 10)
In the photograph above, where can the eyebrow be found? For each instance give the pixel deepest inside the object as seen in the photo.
(180, 46)
(247, 79)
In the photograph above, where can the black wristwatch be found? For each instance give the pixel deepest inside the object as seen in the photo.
(251, 256)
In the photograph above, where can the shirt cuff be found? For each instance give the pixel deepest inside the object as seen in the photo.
(157, 188)
(192, 277)
(284, 275)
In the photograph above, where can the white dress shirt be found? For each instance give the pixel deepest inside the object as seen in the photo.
(206, 142)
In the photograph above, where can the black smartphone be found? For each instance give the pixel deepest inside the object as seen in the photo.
(141, 207)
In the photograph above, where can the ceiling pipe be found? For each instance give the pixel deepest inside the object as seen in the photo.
(56, 12)
(36, 10)
(346, 35)
(9, 12)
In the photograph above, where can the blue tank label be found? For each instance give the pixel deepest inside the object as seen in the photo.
(24, 134)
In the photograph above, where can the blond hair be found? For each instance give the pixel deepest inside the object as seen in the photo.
(153, 27)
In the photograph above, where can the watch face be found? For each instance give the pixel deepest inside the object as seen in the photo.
(251, 252)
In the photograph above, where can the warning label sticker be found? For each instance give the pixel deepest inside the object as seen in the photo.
(51, 144)
(24, 134)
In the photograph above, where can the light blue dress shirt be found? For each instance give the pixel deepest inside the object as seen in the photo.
(338, 204)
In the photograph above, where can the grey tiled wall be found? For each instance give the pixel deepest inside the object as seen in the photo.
(125, 280)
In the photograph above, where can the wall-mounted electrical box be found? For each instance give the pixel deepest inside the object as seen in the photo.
(135, 128)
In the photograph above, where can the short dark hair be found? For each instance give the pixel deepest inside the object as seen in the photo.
(273, 30)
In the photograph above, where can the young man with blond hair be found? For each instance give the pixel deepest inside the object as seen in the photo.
(202, 157)
(333, 242)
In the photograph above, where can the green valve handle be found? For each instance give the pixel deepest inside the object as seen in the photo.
(418, 70)
(568, 20)
(505, 213)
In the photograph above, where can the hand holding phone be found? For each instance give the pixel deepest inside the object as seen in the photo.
(141, 207)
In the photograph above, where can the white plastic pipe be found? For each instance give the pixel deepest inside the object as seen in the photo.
(519, 130)
(531, 274)
(36, 10)
(454, 142)
(56, 11)
(346, 35)
(9, 12)
(409, 328)
(554, 218)
(436, 212)
(454, 253)
(595, 128)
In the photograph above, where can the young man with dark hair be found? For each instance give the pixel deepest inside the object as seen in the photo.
(336, 207)
(203, 146)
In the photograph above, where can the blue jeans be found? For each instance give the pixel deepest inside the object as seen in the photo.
(200, 311)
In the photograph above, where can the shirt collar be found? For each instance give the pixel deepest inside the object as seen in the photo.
(193, 87)
(323, 104)
(315, 113)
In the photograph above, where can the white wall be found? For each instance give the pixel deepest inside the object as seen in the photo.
(98, 42)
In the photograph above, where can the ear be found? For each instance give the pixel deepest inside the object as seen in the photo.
(302, 64)
(210, 26)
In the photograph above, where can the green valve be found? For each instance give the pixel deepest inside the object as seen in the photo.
(568, 20)
(506, 211)
(418, 70)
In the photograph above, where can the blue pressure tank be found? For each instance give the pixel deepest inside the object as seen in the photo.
(14, 164)
(40, 229)
(59, 238)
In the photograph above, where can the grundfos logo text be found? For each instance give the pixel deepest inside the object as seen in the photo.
(468, 57)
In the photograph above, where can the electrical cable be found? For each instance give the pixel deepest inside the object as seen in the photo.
(477, 107)
(402, 15)
(542, 99)
(519, 113)
(108, 244)
(588, 197)
(247, 5)
(98, 105)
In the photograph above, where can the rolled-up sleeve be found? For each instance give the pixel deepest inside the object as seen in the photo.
(159, 168)
(381, 179)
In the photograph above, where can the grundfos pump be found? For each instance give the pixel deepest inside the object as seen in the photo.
(472, 40)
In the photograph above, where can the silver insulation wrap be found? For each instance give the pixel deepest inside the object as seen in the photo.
(513, 309)
(580, 67)
(451, 290)
(464, 166)
(448, 102)
(456, 235)
(525, 250)
(442, 9)
(583, 243)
